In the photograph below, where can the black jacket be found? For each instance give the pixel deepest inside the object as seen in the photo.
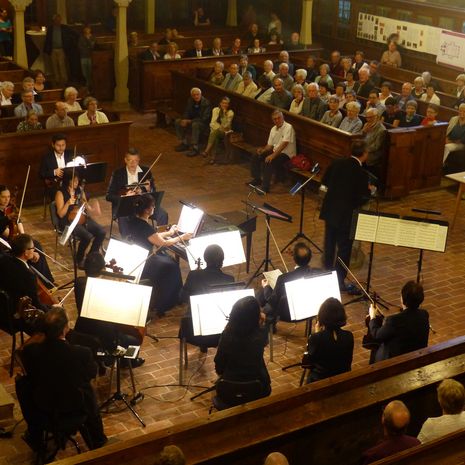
(192, 53)
(49, 163)
(205, 110)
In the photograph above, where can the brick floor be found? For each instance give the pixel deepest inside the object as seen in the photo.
(221, 188)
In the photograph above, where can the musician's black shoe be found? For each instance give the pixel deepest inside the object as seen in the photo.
(137, 362)
(181, 148)
(351, 289)
(255, 182)
(80, 264)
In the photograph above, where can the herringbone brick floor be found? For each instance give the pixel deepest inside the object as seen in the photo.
(221, 188)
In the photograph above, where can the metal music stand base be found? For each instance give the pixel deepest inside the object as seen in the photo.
(205, 391)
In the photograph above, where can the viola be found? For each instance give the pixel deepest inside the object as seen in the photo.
(26, 311)
(112, 265)
(12, 212)
(73, 209)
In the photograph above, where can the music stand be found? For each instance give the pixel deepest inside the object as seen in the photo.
(299, 187)
(68, 232)
(190, 218)
(95, 172)
(122, 304)
(269, 212)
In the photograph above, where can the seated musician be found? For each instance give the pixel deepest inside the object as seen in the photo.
(160, 269)
(10, 227)
(58, 378)
(199, 282)
(274, 300)
(240, 351)
(68, 200)
(330, 349)
(405, 331)
(94, 265)
(131, 174)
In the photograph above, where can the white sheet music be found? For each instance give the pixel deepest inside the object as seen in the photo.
(116, 302)
(210, 312)
(272, 276)
(70, 228)
(367, 226)
(229, 241)
(387, 230)
(189, 219)
(306, 295)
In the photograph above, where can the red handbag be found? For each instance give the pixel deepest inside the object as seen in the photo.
(301, 162)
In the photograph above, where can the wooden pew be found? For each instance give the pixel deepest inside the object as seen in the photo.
(47, 106)
(101, 143)
(326, 423)
(13, 75)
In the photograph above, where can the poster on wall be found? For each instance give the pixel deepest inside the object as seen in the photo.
(451, 50)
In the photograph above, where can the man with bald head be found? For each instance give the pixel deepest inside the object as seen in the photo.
(395, 420)
(276, 458)
(60, 118)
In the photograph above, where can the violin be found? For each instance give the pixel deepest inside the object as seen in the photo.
(135, 189)
(26, 311)
(368, 341)
(12, 212)
(114, 267)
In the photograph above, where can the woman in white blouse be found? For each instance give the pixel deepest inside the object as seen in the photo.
(296, 104)
(268, 70)
(430, 96)
(220, 124)
(247, 87)
(71, 95)
(172, 52)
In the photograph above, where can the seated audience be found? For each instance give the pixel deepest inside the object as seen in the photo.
(71, 95)
(283, 58)
(391, 57)
(232, 79)
(324, 92)
(375, 77)
(271, 158)
(133, 40)
(7, 89)
(172, 52)
(283, 74)
(196, 117)
(151, 53)
(330, 348)
(428, 79)
(217, 76)
(460, 91)
(363, 86)
(298, 101)
(311, 69)
(275, 23)
(256, 48)
(247, 87)
(245, 67)
(431, 115)
(339, 92)
(359, 61)
(294, 42)
(405, 95)
(385, 93)
(335, 65)
(240, 351)
(170, 455)
(300, 77)
(201, 18)
(350, 96)
(40, 83)
(375, 136)
(373, 102)
(346, 64)
(31, 123)
(395, 419)
(455, 135)
(451, 398)
(92, 115)
(276, 458)
(313, 107)
(410, 118)
(430, 96)
(275, 38)
(350, 81)
(418, 87)
(28, 104)
(265, 89)
(235, 49)
(167, 37)
(60, 118)
(392, 115)
(220, 124)
(268, 70)
(324, 76)
(252, 34)
(333, 116)
(405, 331)
(216, 49)
(281, 97)
(352, 123)
(197, 51)
(27, 84)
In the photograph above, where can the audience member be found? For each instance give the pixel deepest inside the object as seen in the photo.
(373, 102)
(271, 158)
(86, 44)
(28, 104)
(391, 57)
(276, 458)
(265, 90)
(375, 77)
(275, 23)
(385, 93)
(427, 79)
(281, 97)
(359, 60)
(375, 136)
(216, 49)
(298, 101)
(395, 419)
(312, 72)
(324, 92)
(346, 63)
(92, 115)
(167, 36)
(324, 76)
(333, 116)
(460, 91)
(232, 79)
(6, 29)
(133, 40)
(431, 115)
(330, 348)
(405, 331)
(283, 74)
(252, 34)
(275, 39)
(27, 85)
(430, 95)
(31, 123)
(300, 77)
(363, 86)
(71, 95)
(172, 52)
(352, 123)
(60, 118)
(410, 118)
(335, 65)
(283, 58)
(294, 42)
(201, 18)
(455, 135)
(313, 107)
(392, 115)
(256, 48)
(151, 53)
(197, 51)
(217, 76)
(418, 87)
(350, 81)
(40, 83)
(247, 87)
(171, 455)
(235, 49)
(7, 89)
(340, 90)
(451, 398)
(245, 67)
(268, 70)
(350, 96)
(196, 117)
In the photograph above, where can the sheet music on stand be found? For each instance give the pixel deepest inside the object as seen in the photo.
(408, 231)
(272, 276)
(229, 241)
(210, 312)
(128, 257)
(189, 219)
(116, 302)
(305, 295)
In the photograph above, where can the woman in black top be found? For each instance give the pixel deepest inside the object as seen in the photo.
(71, 195)
(240, 352)
(160, 269)
(330, 348)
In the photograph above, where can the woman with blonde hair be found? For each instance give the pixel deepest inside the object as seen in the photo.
(71, 102)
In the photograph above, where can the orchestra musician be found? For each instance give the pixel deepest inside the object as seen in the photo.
(10, 227)
(129, 174)
(68, 199)
(160, 269)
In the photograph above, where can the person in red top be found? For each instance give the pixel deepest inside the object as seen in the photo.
(431, 114)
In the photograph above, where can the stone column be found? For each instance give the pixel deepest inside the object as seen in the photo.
(150, 16)
(306, 25)
(20, 55)
(121, 54)
(61, 10)
(231, 17)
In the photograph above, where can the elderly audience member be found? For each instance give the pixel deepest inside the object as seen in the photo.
(7, 89)
(418, 87)
(359, 61)
(217, 76)
(281, 97)
(151, 53)
(60, 118)
(460, 91)
(92, 115)
(197, 51)
(375, 135)
(245, 67)
(283, 74)
(298, 101)
(300, 77)
(268, 70)
(216, 49)
(294, 42)
(31, 123)
(28, 104)
(391, 57)
(172, 52)
(313, 107)
(324, 76)
(276, 458)
(385, 93)
(256, 47)
(455, 135)
(451, 398)
(352, 123)
(247, 87)
(284, 58)
(233, 78)
(335, 65)
(265, 89)
(71, 95)
(395, 419)
(430, 95)
(363, 86)
(346, 64)
(312, 71)
(333, 116)
(375, 77)
(410, 117)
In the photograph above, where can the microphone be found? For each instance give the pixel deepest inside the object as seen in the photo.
(257, 189)
(316, 168)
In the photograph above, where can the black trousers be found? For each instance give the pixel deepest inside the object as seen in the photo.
(337, 243)
(87, 232)
(257, 165)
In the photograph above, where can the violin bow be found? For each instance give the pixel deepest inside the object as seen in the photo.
(24, 193)
(74, 167)
(60, 303)
(356, 280)
(148, 171)
(276, 245)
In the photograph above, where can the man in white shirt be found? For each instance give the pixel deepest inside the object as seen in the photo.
(7, 90)
(451, 397)
(271, 158)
